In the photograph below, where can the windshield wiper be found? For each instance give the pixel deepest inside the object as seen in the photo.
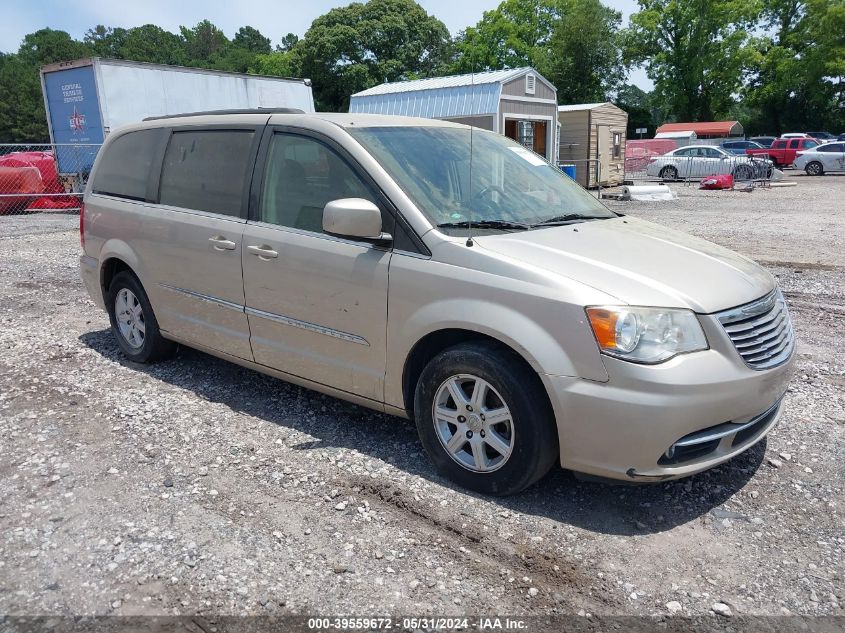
(484, 224)
(568, 218)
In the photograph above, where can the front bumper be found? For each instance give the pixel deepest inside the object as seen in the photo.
(625, 428)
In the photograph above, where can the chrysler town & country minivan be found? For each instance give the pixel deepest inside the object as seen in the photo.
(441, 273)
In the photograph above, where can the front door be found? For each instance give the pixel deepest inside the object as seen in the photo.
(316, 304)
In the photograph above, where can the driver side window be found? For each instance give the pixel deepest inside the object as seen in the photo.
(302, 175)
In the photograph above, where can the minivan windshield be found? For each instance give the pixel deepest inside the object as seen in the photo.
(511, 187)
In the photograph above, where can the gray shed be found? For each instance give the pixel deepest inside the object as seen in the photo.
(593, 135)
(519, 103)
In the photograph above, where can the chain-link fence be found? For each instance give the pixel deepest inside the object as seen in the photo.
(747, 171)
(39, 178)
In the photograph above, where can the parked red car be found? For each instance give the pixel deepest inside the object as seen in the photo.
(783, 150)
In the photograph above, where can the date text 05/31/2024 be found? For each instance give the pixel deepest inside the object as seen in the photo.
(420, 623)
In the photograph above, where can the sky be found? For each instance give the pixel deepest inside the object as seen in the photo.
(273, 18)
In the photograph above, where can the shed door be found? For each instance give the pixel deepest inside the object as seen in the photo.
(604, 152)
(540, 138)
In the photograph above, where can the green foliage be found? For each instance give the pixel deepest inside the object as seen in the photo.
(151, 43)
(48, 46)
(695, 51)
(573, 43)
(106, 41)
(203, 43)
(360, 45)
(796, 78)
(516, 33)
(279, 64)
(250, 39)
(776, 65)
(22, 118)
(584, 59)
(641, 111)
(287, 42)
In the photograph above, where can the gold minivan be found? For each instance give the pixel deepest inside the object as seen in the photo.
(440, 273)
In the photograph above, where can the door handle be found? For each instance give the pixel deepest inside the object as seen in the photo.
(263, 251)
(220, 243)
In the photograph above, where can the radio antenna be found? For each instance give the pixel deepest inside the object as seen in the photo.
(472, 103)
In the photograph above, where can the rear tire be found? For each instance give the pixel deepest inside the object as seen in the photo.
(814, 168)
(484, 419)
(670, 172)
(133, 321)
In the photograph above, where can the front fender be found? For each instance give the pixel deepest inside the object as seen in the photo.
(568, 349)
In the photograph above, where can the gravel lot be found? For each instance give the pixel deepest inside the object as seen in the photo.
(197, 487)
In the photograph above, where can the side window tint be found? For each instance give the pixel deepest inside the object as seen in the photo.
(779, 144)
(124, 169)
(302, 175)
(206, 170)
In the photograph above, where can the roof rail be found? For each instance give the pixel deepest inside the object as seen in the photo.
(234, 111)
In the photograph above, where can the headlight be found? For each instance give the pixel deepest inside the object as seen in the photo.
(646, 335)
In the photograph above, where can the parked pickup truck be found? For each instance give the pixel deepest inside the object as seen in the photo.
(783, 150)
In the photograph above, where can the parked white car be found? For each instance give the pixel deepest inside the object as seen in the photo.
(816, 161)
(699, 161)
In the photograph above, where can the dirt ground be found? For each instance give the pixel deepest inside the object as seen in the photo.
(198, 487)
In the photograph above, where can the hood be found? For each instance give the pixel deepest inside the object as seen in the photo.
(640, 263)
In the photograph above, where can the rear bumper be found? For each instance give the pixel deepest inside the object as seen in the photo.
(651, 423)
(89, 270)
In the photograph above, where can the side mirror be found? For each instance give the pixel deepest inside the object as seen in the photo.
(354, 218)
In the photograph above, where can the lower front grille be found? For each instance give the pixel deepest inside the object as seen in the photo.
(701, 443)
(761, 331)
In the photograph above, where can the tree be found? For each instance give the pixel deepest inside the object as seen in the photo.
(796, 80)
(22, 118)
(151, 43)
(638, 104)
(105, 41)
(584, 60)
(250, 39)
(514, 34)
(47, 46)
(287, 42)
(695, 51)
(573, 43)
(363, 44)
(203, 43)
(279, 64)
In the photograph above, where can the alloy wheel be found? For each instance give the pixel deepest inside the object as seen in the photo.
(473, 423)
(129, 315)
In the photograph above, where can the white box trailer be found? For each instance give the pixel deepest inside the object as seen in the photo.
(87, 98)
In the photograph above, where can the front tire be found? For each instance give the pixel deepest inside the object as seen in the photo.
(484, 419)
(133, 322)
(814, 168)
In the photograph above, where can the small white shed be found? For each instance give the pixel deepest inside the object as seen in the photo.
(519, 103)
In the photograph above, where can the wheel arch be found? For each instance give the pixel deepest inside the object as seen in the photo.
(433, 343)
(116, 256)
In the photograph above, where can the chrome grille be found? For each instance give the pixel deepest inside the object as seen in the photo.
(761, 331)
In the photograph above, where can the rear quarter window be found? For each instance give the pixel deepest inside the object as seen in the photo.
(206, 170)
(125, 166)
